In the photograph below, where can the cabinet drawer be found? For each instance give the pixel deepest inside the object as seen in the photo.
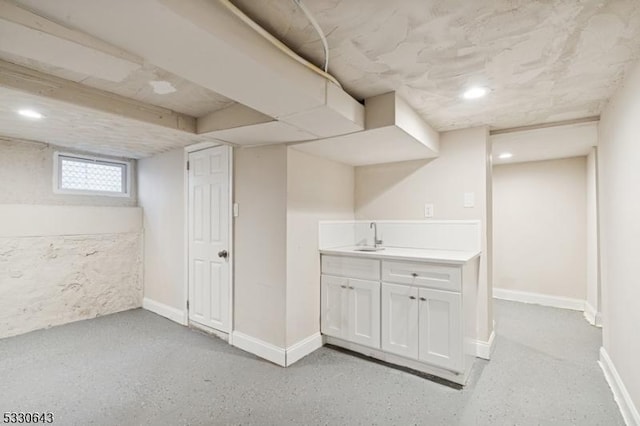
(353, 267)
(421, 274)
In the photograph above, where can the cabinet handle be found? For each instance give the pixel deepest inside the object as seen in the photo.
(412, 297)
(414, 275)
(343, 286)
(350, 288)
(423, 299)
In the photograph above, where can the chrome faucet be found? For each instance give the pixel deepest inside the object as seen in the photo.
(376, 241)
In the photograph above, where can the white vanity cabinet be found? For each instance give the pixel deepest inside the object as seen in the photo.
(419, 320)
(418, 314)
(351, 306)
(424, 324)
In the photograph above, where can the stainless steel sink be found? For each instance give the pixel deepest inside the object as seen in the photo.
(368, 248)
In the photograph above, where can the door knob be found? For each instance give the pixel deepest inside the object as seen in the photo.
(223, 253)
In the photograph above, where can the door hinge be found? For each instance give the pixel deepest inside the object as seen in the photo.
(187, 305)
(188, 166)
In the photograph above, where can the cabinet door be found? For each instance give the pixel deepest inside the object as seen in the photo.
(400, 320)
(364, 312)
(333, 306)
(441, 329)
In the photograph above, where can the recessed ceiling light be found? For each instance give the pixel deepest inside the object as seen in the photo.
(505, 155)
(29, 113)
(475, 92)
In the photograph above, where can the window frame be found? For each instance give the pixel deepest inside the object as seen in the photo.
(57, 174)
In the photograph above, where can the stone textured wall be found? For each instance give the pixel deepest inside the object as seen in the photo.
(47, 281)
(57, 272)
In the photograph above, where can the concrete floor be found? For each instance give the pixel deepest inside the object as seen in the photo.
(137, 368)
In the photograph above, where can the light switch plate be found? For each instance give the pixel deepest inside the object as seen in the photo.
(469, 199)
(428, 210)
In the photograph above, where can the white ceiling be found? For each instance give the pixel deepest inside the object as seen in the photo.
(86, 129)
(544, 60)
(549, 143)
(188, 98)
(199, 41)
(127, 75)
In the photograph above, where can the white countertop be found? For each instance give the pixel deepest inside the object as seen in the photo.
(410, 254)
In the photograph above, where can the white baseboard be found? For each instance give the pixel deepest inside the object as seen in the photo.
(276, 354)
(304, 347)
(594, 318)
(485, 349)
(539, 299)
(166, 311)
(258, 347)
(627, 408)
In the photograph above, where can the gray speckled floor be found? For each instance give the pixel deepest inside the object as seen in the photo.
(138, 368)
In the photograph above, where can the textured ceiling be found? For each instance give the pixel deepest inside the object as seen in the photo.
(121, 72)
(543, 61)
(86, 129)
(188, 98)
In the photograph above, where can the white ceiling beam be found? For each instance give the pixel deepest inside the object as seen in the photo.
(13, 13)
(234, 116)
(211, 47)
(394, 132)
(238, 123)
(27, 80)
(545, 125)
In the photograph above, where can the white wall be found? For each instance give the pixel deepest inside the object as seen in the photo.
(398, 191)
(317, 189)
(593, 302)
(161, 195)
(63, 258)
(282, 194)
(619, 182)
(26, 177)
(260, 243)
(539, 227)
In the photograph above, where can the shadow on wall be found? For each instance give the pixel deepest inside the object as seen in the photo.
(389, 176)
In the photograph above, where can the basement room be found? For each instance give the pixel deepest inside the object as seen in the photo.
(319, 212)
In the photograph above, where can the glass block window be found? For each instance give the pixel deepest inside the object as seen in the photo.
(91, 175)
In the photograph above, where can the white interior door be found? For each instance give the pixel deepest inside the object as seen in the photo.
(209, 271)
